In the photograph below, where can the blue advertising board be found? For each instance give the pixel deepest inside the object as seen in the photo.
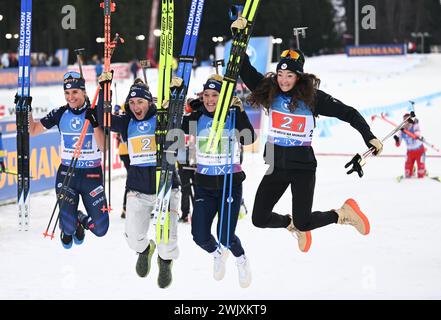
(44, 161)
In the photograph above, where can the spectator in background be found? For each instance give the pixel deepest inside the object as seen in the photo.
(416, 152)
(134, 67)
(98, 68)
(4, 60)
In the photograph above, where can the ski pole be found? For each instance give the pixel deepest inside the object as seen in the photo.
(224, 188)
(12, 173)
(230, 193)
(79, 53)
(411, 134)
(144, 65)
(109, 48)
(358, 161)
(217, 64)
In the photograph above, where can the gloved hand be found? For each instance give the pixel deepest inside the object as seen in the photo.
(194, 104)
(105, 77)
(2, 166)
(165, 104)
(377, 144)
(239, 24)
(24, 101)
(397, 140)
(92, 117)
(176, 82)
(236, 102)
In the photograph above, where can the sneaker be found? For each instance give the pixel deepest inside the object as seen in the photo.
(79, 235)
(243, 266)
(165, 274)
(66, 240)
(351, 214)
(144, 260)
(220, 258)
(304, 238)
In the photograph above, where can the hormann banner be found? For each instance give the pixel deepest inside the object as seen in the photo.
(376, 50)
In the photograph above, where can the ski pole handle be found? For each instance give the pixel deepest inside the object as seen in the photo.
(357, 162)
(80, 53)
(401, 125)
(218, 63)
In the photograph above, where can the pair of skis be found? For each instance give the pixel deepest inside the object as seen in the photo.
(22, 109)
(401, 178)
(238, 48)
(164, 78)
(108, 6)
(174, 115)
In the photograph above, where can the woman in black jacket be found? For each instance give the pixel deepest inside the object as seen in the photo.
(292, 100)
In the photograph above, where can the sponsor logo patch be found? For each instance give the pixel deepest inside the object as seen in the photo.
(96, 191)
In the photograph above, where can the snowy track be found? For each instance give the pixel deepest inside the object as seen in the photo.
(400, 258)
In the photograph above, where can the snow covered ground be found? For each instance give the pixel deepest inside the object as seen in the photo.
(399, 259)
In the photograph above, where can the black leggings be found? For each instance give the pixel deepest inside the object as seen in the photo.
(271, 189)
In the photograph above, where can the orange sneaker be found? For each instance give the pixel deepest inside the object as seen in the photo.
(304, 238)
(350, 213)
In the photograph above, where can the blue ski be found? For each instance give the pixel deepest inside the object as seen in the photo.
(175, 114)
(22, 108)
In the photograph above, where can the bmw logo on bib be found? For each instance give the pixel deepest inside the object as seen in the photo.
(144, 126)
(76, 124)
(209, 124)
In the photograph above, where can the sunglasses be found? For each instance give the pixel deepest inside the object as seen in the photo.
(290, 54)
(72, 75)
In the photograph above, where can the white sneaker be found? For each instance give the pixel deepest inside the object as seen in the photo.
(243, 265)
(220, 258)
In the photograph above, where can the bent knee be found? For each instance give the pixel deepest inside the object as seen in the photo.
(100, 231)
(259, 223)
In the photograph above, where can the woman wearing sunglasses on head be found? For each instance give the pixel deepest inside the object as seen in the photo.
(292, 100)
(87, 179)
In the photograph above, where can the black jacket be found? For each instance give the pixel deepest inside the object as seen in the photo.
(303, 157)
(242, 123)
